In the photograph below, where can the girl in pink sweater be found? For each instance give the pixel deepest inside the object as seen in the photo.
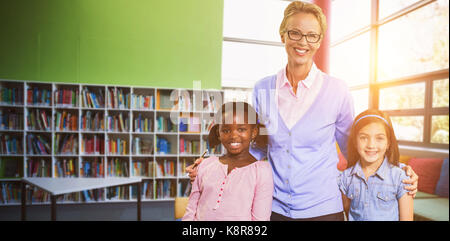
(234, 186)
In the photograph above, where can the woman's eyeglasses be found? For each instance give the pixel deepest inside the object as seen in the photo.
(297, 36)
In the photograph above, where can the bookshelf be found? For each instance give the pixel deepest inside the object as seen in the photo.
(65, 130)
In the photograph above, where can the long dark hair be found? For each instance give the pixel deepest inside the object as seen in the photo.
(237, 108)
(367, 117)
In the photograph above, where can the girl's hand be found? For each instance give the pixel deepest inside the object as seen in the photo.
(413, 180)
(192, 169)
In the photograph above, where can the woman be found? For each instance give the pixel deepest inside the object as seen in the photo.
(306, 112)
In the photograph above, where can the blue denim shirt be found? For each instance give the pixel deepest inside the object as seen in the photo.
(377, 198)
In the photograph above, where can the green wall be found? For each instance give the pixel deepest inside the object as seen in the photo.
(124, 42)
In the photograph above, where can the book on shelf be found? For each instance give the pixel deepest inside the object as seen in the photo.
(117, 193)
(92, 122)
(38, 168)
(117, 146)
(165, 168)
(11, 96)
(37, 195)
(142, 124)
(163, 146)
(118, 168)
(93, 145)
(93, 195)
(66, 144)
(10, 192)
(165, 189)
(69, 197)
(190, 124)
(65, 168)
(189, 146)
(117, 99)
(66, 97)
(142, 102)
(10, 145)
(142, 168)
(91, 99)
(66, 121)
(142, 145)
(38, 145)
(118, 123)
(164, 124)
(92, 167)
(11, 120)
(148, 190)
(36, 96)
(38, 119)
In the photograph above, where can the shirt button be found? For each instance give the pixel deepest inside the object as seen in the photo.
(287, 181)
(287, 151)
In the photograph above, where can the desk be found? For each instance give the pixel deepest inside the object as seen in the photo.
(60, 186)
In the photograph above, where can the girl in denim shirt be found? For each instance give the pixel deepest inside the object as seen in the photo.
(371, 186)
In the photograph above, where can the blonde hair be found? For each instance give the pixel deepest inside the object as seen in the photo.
(304, 7)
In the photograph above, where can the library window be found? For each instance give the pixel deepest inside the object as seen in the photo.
(393, 55)
(405, 59)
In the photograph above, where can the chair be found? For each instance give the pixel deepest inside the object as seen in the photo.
(180, 206)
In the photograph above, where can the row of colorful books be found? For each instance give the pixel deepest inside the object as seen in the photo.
(66, 121)
(66, 144)
(65, 168)
(92, 123)
(37, 96)
(164, 124)
(117, 168)
(91, 99)
(142, 168)
(39, 119)
(11, 120)
(142, 146)
(93, 145)
(189, 146)
(163, 146)
(11, 96)
(142, 124)
(191, 124)
(118, 123)
(10, 145)
(38, 168)
(117, 193)
(67, 97)
(165, 168)
(142, 102)
(117, 146)
(118, 99)
(92, 167)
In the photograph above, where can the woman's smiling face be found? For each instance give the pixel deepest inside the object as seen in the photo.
(301, 52)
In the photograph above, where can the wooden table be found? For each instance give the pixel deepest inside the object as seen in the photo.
(60, 186)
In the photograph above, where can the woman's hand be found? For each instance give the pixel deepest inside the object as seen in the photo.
(192, 169)
(413, 180)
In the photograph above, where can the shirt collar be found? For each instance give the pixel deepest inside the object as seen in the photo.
(307, 82)
(381, 172)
